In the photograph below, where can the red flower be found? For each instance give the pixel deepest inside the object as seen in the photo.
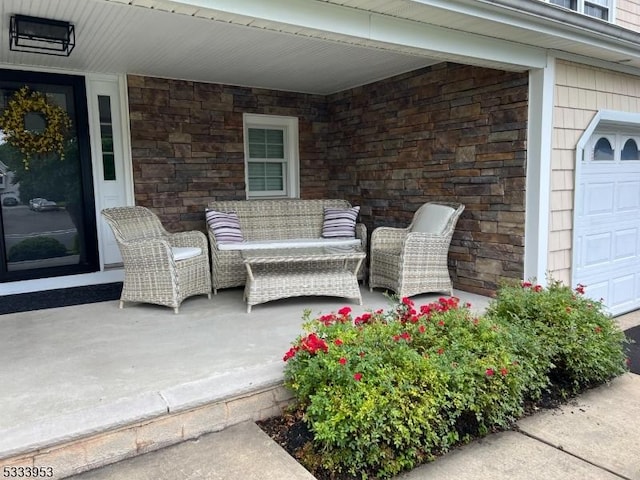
(337, 342)
(422, 328)
(357, 376)
(440, 351)
(537, 288)
(407, 301)
(525, 284)
(441, 323)
(425, 309)
(344, 311)
(328, 319)
(402, 336)
(364, 318)
(598, 329)
(580, 289)
(312, 343)
(291, 353)
(490, 372)
(361, 354)
(503, 371)
(343, 361)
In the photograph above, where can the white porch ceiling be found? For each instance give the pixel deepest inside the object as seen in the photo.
(310, 46)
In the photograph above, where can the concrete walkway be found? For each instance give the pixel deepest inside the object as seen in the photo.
(593, 437)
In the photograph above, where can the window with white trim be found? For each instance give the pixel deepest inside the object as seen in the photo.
(601, 9)
(612, 146)
(271, 156)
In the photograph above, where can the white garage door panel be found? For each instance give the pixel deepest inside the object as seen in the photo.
(625, 245)
(599, 199)
(623, 290)
(597, 249)
(598, 290)
(628, 197)
(607, 233)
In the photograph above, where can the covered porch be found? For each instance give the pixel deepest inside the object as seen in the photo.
(88, 377)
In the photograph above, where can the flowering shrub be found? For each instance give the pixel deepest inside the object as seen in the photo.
(569, 339)
(388, 390)
(385, 391)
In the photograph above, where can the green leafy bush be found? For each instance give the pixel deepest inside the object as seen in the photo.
(388, 390)
(37, 248)
(578, 344)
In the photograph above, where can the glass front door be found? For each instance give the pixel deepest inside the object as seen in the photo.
(47, 225)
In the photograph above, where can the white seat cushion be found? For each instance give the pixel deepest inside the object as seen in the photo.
(432, 219)
(182, 253)
(291, 243)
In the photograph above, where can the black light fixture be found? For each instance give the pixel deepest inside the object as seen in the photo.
(41, 35)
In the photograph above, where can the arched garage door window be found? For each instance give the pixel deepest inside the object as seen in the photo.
(630, 151)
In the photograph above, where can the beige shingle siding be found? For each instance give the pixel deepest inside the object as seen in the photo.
(628, 14)
(579, 93)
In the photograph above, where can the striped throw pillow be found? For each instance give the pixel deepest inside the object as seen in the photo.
(340, 222)
(225, 226)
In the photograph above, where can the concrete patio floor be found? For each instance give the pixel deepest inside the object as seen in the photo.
(73, 369)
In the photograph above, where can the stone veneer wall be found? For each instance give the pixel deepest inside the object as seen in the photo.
(448, 132)
(187, 143)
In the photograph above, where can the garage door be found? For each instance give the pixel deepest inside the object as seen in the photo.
(607, 223)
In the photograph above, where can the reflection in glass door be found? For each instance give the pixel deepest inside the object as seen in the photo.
(47, 215)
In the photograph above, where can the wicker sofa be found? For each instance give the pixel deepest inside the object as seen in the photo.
(287, 223)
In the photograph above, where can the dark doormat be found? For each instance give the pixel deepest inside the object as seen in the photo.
(62, 297)
(633, 349)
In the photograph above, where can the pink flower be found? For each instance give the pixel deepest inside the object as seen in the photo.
(357, 376)
(490, 372)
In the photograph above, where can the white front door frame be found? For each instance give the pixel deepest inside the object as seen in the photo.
(116, 87)
(110, 193)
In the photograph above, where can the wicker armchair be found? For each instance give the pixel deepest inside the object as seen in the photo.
(413, 260)
(159, 267)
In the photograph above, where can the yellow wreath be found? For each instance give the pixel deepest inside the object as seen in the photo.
(52, 139)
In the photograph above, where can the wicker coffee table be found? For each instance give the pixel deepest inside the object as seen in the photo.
(282, 273)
